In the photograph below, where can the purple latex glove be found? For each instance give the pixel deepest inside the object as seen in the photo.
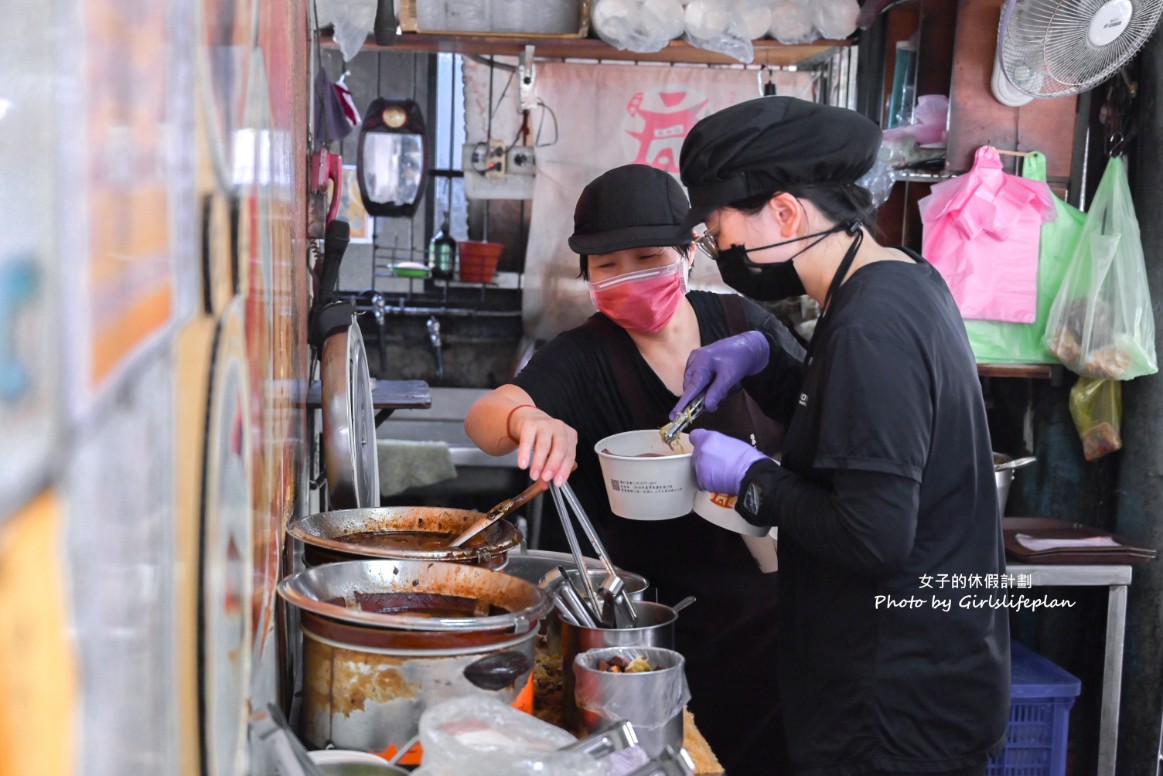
(720, 366)
(720, 462)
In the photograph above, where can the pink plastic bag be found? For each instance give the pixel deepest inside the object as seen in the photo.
(981, 232)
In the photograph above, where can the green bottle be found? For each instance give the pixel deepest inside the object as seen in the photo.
(442, 252)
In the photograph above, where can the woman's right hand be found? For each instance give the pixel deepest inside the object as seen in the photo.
(720, 366)
(546, 445)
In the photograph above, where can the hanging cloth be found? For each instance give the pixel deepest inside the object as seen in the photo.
(1021, 343)
(981, 232)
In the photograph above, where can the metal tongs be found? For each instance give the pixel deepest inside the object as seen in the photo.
(682, 421)
(608, 606)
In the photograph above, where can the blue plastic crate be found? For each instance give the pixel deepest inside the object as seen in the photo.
(1041, 695)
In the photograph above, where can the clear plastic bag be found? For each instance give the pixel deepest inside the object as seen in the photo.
(719, 25)
(1101, 323)
(791, 23)
(638, 25)
(835, 19)
(353, 21)
(757, 18)
(481, 736)
(1097, 408)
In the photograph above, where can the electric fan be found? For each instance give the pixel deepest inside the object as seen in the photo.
(1054, 48)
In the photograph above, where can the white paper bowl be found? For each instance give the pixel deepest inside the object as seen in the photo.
(653, 488)
(719, 508)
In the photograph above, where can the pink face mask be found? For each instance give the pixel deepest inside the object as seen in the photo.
(644, 300)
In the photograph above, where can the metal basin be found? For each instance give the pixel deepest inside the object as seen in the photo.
(332, 536)
(369, 674)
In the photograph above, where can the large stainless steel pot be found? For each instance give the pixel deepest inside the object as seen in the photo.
(369, 675)
(328, 536)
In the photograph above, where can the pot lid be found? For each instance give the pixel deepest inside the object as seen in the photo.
(350, 454)
(338, 530)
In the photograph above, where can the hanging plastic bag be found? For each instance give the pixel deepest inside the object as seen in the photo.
(353, 21)
(1101, 323)
(1097, 408)
(994, 342)
(981, 232)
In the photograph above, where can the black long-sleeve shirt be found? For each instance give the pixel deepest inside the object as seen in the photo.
(887, 515)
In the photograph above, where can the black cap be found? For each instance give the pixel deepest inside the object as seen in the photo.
(632, 206)
(770, 144)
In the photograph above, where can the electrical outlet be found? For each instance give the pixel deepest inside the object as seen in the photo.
(498, 160)
(518, 184)
(522, 160)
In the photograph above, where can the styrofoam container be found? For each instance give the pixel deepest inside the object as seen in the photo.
(659, 486)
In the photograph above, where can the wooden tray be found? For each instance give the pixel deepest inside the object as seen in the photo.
(1120, 551)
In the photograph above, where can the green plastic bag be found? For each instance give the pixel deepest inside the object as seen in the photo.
(994, 342)
(1101, 323)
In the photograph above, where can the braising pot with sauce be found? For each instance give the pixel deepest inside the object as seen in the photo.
(384, 639)
(402, 533)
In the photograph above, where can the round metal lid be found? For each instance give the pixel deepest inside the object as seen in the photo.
(350, 455)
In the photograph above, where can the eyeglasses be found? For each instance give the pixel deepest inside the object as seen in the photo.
(705, 243)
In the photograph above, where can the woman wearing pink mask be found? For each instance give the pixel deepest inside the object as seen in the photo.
(622, 370)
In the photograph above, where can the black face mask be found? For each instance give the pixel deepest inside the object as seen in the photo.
(770, 282)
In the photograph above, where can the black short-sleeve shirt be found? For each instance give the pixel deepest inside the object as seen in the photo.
(733, 622)
(891, 387)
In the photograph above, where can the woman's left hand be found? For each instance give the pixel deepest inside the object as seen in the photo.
(720, 462)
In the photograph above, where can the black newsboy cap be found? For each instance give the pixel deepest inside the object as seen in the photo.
(769, 144)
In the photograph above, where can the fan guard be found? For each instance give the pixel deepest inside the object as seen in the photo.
(1054, 48)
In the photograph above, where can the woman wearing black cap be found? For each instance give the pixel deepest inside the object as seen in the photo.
(885, 500)
(621, 371)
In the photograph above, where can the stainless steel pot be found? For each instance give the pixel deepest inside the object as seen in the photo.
(330, 536)
(655, 629)
(533, 565)
(368, 675)
(1003, 475)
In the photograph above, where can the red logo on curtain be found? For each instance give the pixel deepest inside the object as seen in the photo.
(660, 120)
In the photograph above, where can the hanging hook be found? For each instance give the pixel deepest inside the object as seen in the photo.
(766, 85)
(769, 87)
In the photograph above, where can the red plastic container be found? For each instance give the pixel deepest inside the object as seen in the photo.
(478, 260)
